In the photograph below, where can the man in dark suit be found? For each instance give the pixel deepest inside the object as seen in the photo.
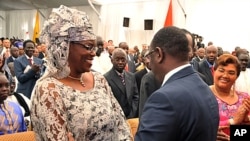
(14, 54)
(27, 69)
(200, 53)
(123, 84)
(42, 52)
(141, 73)
(148, 85)
(180, 110)
(206, 66)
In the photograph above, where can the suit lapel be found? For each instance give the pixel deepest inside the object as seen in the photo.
(128, 82)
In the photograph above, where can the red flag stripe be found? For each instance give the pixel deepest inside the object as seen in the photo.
(169, 17)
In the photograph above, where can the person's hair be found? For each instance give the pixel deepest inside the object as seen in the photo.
(99, 44)
(118, 50)
(227, 59)
(173, 41)
(241, 51)
(193, 39)
(28, 41)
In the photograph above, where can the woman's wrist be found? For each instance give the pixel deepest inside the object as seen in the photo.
(231, 121)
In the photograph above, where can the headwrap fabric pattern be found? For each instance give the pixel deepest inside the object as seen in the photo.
(63, 26)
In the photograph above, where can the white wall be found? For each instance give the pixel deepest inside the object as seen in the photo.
(224, 22)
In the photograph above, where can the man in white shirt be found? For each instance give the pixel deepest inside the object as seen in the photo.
(242, 83)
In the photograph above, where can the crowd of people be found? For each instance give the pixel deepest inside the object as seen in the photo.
(76, 86)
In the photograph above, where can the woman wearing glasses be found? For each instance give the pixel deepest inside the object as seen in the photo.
(69, 98)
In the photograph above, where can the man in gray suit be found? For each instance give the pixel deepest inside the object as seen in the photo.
(27, 69)
(123, 84)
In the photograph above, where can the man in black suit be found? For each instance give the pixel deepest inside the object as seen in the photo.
(206, 66)
(123, 84)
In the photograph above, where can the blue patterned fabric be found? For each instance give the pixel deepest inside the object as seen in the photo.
(11, 116)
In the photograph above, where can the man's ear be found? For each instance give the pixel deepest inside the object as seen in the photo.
(159, 54)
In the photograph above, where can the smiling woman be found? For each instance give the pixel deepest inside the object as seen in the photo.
(70, 97)
(234, 106)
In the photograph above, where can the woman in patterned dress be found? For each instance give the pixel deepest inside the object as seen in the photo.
(70, 98)
(234, 106)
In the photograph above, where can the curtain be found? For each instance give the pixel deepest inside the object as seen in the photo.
(2, 24)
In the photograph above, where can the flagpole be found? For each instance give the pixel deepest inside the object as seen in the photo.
(185, 15)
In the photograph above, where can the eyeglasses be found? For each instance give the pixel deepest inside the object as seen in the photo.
(149, 53)
(87, 47)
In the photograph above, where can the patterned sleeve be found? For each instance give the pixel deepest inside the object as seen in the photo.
(224, 121)
(48, 113)
(124, 132)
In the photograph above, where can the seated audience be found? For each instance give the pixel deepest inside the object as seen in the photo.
(234, 106)
(11, 116)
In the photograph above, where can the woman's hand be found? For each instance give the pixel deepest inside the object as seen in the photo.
(70, 136)
(221, 136)
(241, 113)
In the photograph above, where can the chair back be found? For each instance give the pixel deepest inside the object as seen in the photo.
(20, 136)
(133, 123)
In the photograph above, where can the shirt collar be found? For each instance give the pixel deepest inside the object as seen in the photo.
(209, 64)
(172, 72)
(29, 57)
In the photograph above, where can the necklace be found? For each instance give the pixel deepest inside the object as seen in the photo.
(231, 93)
(79, 79)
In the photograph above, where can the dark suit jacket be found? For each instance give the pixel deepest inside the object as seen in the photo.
(205, 70)
(26, 81)
(41, 56)
(131, 66)
(131, 90)
(148, 85)
(10, 59)
(131, 63)
(180, 111)
(138, 77)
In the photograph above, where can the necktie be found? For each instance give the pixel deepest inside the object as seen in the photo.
(122, 79)
(212, 70)
(30, 61)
